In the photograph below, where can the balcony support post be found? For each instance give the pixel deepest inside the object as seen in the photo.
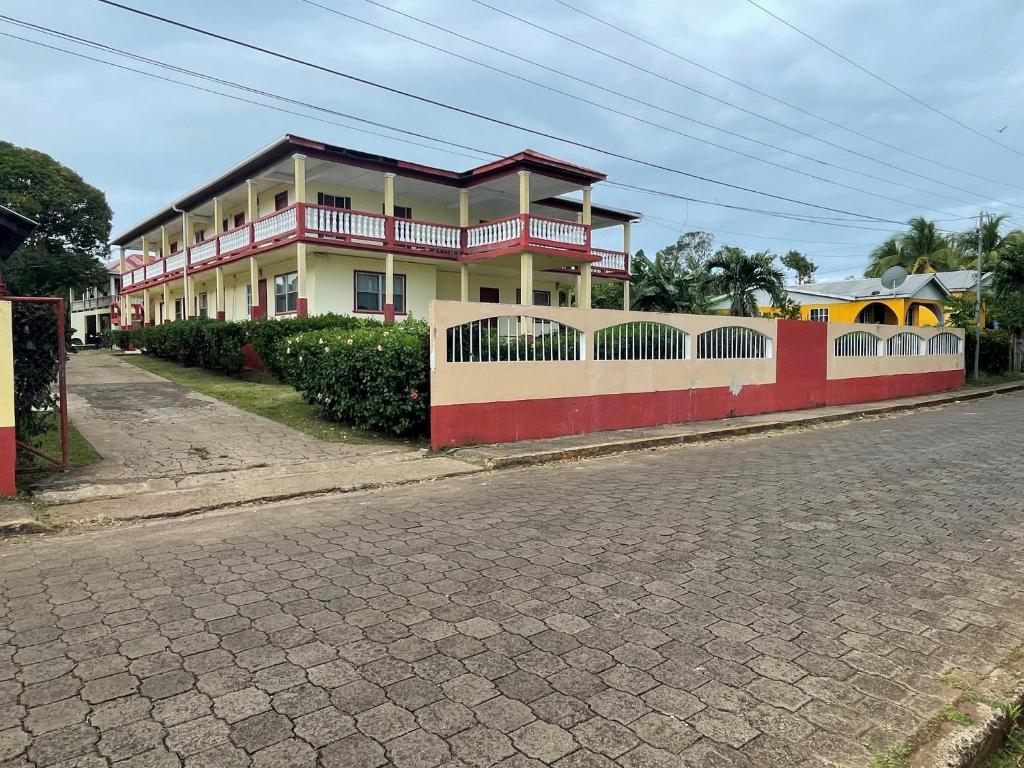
(524, 207)
(251, 201)
(586, 219)
(583, 296)
(300, 177)
(221, 315)
(166, 314)
(165, 242)
(218, 219)
(464, 282)
(147, 310)
(389, 288)
(302, 302)
(186, 286)
(121, 294)
(627, 244)
(145, 252)
(389, 258)
(258, 310)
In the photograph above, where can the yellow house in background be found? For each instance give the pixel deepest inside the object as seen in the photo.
(964, 283)
(918, 301)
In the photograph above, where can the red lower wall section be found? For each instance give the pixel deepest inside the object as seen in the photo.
(801, 382)
(8, 457)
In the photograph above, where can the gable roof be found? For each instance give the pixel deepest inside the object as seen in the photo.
(963, 279)
(871, 287)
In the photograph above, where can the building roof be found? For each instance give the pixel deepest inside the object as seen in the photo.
(289, 144)
(14, 228)
(132, 261)
(870, 287)
(963, 280)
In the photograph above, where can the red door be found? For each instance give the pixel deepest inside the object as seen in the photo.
(265, 311)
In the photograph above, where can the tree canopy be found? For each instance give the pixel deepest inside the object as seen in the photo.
(738, 275)
(69, 246)
(801, 266)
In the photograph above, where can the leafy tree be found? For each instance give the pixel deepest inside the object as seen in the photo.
(738, 275)
(922, 248)
(664, 285)
(960, 310)
(801, 265)
(606, 295)
(691, 251)
(67, 248)
(1007, 305)
(787, 309)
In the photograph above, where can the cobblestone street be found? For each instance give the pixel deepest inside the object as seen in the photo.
(774, 601)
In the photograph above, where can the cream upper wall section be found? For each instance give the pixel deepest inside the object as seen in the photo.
(884, 365)
(485, 382)
(6, 366)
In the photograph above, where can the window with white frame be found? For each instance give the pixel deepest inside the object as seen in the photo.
(202, 305)
(819, 314)
(286, 293)
(333, 201)
(248, 299)
(370, 292)
(200, 235)
(179, 309)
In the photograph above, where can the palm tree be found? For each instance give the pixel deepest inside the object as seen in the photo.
(664, 285)
(1008, 288)
(992, 241)
(738, 275)
(922, 248)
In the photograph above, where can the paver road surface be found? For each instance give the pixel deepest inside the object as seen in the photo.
(773, 601)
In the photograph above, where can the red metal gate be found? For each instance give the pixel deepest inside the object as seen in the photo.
(62, 462)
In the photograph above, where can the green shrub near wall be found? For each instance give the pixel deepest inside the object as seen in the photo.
(265, 335)
(995, 351)
(373, 376)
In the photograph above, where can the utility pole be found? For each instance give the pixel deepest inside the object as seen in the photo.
(977, 302)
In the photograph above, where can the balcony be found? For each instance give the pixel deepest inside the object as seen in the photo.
(83, 305)
(342, 227)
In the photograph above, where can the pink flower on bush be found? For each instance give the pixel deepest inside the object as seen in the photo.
(414, 395)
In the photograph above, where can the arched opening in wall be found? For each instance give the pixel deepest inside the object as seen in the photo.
(877, 313)
(925, 314)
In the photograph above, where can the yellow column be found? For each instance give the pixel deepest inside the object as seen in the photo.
(627, 244)
(251, 201)
(524, 191)
(168, 309)
(300, 180)
(526, 279)
(122, 299)
(583, 296)
(389, 194)
(165, 242)
(186, 282)
(300, 267)
(254, 281)
(145, 251)
(218, 216)
(464, 222)
(8, 451)
(220, 313)
(147, 314)
(587, 219)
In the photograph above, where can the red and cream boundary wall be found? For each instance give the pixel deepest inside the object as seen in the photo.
(490, 401)
(8, 454)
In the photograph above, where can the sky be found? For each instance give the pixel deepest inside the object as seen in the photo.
(145, 142)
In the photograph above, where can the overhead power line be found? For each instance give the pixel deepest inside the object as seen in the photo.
(661, 126)
(776, 99)
(881, 79)
(725, 102)
(805, 218)
(484, 117)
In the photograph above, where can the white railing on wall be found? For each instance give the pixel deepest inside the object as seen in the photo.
(733, 342)
(432, 235)
(514, 339)
(494, 232)
(615, 260)
(905, 344)
(859, 344)
(275, 225)
(557, 231)
(641, 341)
(945, 344)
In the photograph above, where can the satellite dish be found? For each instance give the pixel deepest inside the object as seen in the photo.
(893, 277)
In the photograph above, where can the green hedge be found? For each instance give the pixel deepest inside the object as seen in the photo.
(266, 335)
(373, 377)
(995, 351)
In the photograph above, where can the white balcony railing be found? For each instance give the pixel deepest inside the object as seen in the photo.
(493, 232)
(274, 226)
(174, 261)
(614, 260)
(203, 251)
(155, 269)
(434, 235)
(233, 240)
(341, 221)
(557, 231)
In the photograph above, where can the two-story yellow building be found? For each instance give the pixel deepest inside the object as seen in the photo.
(304, 227)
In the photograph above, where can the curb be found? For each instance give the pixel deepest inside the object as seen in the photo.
(646, 443)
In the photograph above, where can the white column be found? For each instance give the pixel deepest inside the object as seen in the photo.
(300, 180)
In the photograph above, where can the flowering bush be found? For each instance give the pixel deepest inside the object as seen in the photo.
(266, 335)
(373, 376)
